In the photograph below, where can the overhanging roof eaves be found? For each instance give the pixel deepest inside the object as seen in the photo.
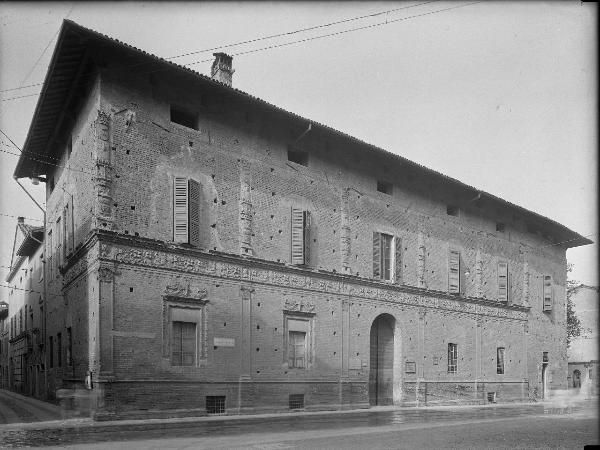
(70, 28)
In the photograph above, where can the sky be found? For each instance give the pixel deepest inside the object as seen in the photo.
(499, 95)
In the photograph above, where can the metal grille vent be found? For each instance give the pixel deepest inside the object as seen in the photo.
(215, 404)
(296, 401)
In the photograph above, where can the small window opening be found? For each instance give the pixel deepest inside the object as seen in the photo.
(384, 187)
(500, 227)
(452, 210)
(298, 156)
(183, 117)
(215, 404)
(296, 401)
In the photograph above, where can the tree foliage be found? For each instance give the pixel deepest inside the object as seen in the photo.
(573, 323)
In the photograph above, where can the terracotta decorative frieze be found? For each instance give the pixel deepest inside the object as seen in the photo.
(299, 306)
(178, 289)
(201, 266)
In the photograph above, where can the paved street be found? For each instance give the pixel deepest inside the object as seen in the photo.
(15, 408)
(493, 426)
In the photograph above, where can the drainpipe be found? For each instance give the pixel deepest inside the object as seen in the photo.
(44, 288)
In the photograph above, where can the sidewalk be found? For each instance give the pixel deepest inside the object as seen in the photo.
(130, 424)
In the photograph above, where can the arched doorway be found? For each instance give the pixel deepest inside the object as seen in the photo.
(576, 379)
(381, 372)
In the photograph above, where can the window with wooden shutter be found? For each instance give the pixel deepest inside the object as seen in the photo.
(376, 255)
(503, 281)
(398, 260)
(300, 224)
(186, 211)
(547, 293)
(383, 256)
(194, 212)
(180, 210)
(454, 272)
(500, 360)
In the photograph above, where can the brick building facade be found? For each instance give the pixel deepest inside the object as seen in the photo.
(22, 320)
(214, 253)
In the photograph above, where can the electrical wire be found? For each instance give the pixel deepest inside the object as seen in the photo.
(387, 22)
(249, 41)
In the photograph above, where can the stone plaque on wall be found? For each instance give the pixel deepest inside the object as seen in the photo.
(224, 342)
(410, 367)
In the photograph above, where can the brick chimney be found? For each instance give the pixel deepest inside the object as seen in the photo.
(221, 68)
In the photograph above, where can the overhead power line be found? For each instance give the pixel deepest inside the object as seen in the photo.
(285, 34)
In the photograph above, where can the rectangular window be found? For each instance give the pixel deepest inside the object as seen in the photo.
(300, 236)
(296, 401)
(297, 156)
(298, 345)
(68, 229)
(69, 347)
(51, 352)
(215, 404)
(186, 211)
(503, 281)
(452, 357)
(59, 349)
(384, 187)
(182, 117)
(454, 272)
(500, 360)
(183, 344)
(547, 293)
(297, 349)
(387, 257)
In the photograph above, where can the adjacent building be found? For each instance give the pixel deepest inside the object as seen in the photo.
(208, 252)
(583, 351)
(22, 316)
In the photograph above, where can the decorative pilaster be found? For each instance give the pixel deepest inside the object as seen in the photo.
(103, 208)
(421, 261)
(245, 209)
(345, 232)
(246, 363)
(345, 336)
(104, 338)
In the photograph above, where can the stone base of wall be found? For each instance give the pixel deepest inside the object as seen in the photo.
(175, 399)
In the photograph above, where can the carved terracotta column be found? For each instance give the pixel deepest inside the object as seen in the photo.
(103, 208)
(345, 232)
(478, 274)
(421, 261)
(245, 220)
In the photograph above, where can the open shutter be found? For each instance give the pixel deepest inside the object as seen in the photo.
(194, 212)
(398, 260)
(454, 272)
(180, 210)
(306, 237)
(547, 293)
(502, 281)
(376, 255)
(70, 227)
(297, 234)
